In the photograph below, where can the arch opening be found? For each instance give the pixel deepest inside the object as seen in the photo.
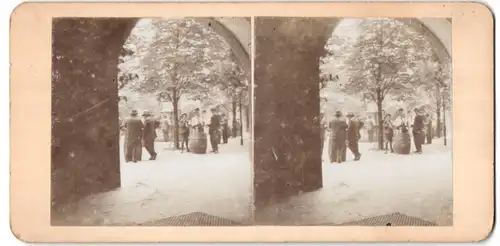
(293, 172)
(98, 80)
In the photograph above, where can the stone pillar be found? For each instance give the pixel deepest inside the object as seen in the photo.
(85, 134)
(287, 148)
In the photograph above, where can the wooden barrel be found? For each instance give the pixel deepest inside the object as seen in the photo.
(402, 143)
(198, 142)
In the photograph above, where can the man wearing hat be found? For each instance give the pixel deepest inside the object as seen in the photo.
(213, 130)
(353, 135)
(337, 140)
(133, 135)
(418, 131)
(149, 134)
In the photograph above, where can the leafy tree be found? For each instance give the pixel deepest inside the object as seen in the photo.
(135, 47)
(234, 83)
(381, 63)
(178, 62)
(435, 81)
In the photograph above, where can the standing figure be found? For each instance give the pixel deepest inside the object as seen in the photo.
(225, 129)
(418, 131)
(337, 141)
(388, 133)
(196, 121)
(133, 135)
(429, 133)
(149, 134)
(213, 130)
(165, 127)
(370, 128)
(353, 135)
(184, 132)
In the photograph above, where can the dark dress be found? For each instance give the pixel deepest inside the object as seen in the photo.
(337, 141)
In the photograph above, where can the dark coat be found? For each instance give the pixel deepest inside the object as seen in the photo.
(338, 129)
(133, 134)
(149, 129)
(337, 141)
(353, 130)
(418, 123)
(133, 128)
(215, 121)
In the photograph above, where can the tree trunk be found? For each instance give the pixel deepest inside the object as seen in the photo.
(380, 121)
(438, 113)
(247, 118)
(234, 130)
(175, 105)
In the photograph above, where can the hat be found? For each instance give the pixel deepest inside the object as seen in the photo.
(133, 112)
(338, 113)
(146, 113)
(350, 115)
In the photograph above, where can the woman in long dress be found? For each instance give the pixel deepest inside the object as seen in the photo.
(338, 137)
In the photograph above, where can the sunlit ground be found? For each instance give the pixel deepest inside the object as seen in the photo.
(378, 184)
(174, 184)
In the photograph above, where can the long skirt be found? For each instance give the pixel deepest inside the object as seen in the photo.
(336, 150)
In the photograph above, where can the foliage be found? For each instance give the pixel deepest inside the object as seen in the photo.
(435, 81)
(382, 61)
(182, 59)
(179, 58)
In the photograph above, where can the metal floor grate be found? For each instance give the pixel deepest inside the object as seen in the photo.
(203, 219)
(395, 219)
(191, 219)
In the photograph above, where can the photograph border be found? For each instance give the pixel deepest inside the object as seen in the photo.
(472, 138)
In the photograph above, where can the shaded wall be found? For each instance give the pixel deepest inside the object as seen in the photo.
(85, 142)
(287, 148)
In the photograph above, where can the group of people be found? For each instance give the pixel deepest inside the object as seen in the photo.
(218, 128)
(419, 130)
(345, 133)
(138, 133)
(141, 133)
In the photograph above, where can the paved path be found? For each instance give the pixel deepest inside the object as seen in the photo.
(175, 184)
(221, 185)
(378, 184)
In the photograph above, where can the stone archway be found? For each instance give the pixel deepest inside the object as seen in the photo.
(287, 153)
(85, 134)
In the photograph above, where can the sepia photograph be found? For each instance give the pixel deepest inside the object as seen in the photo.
(251, 122)
(353, 121)
(151, 122)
